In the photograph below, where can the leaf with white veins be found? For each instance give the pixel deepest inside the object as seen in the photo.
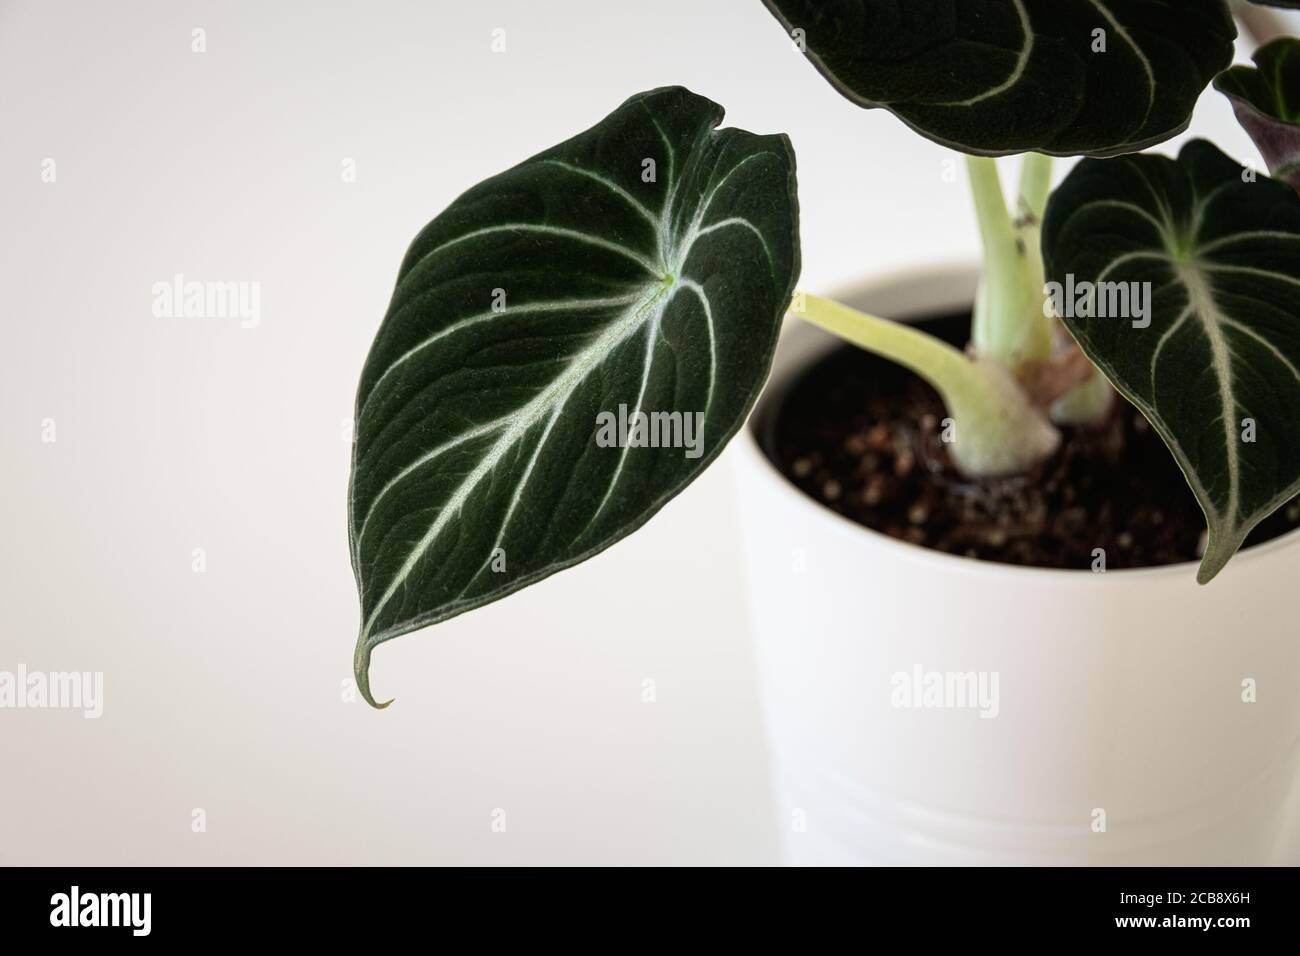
(645, 263)
(1018, 76)
(1217, 370)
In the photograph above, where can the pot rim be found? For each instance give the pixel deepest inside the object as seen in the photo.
(944, 561)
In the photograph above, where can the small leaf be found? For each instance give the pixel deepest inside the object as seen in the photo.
(642, 266)
(1063, 77)
(1217, 369)
(1266, 99)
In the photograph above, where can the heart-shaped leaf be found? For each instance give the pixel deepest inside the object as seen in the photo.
(1063, 77)
(568, 346)
(1266, 99)
(1198, 320)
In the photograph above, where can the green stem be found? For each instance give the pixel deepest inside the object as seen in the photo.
(1035, 187)
(1008, 324)
(996, 431)
(1089, 403)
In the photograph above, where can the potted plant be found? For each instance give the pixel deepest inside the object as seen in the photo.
(974, 667)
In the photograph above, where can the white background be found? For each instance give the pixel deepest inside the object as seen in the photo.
(223, 690)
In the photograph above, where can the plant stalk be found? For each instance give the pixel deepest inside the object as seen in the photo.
(1008, 324)
(1090, 402)
(995, 430)
(1035, 188)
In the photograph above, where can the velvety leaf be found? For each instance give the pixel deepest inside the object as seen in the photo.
(641, 266)
(1020, 75)
(1217, 369)
(1266, 99)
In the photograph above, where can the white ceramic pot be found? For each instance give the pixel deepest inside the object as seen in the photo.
(1121, 731)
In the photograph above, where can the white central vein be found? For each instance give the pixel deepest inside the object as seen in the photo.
(420, 462)
(522, 422)
(557, 305)
(519, 491)
(1201, 300)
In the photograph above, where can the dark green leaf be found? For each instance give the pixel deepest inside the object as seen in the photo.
(1217, 370)
(645, 263)
(1266, 99)
(1020, 75)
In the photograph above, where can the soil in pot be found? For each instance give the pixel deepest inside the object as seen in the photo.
(864, 437)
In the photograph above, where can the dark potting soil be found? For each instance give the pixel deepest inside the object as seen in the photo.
(864, 437)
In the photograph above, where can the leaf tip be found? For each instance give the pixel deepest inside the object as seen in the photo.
(1216, 557)
(361, 671)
